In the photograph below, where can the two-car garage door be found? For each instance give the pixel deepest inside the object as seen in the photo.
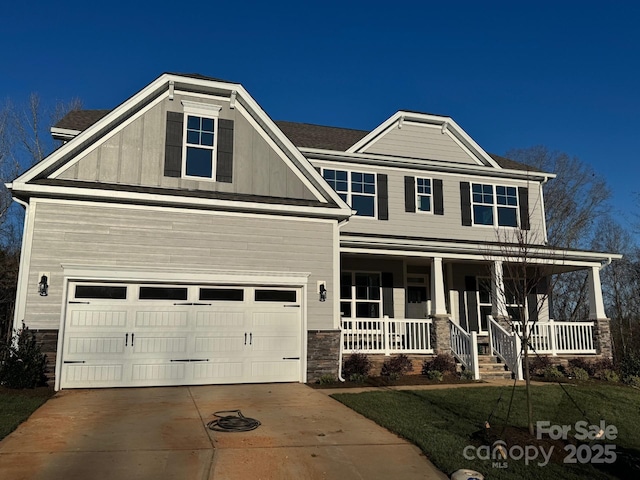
(156, 334)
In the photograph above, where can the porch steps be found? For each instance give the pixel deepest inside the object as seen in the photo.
(491, 368)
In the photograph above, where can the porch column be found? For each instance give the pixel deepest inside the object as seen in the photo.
(438, 303)
(498, 297)
(596, 304)
(602, 327)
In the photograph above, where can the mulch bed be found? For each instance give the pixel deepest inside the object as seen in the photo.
(386, 382)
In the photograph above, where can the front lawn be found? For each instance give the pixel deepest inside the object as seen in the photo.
(17, 405)
(443, 422)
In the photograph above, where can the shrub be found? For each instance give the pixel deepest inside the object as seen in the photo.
(601, 366)
(586, 365)
(466, 375)
(443, 363)
(609, 375)
(356, 364)
(538, 365)
(580, 374)
(435, 375)
(630, 365)
(632, 380)
(22, 363)
(326, 379)
(396, 367)
(552, 373)
(357, 378)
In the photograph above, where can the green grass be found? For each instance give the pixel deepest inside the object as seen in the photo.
(17, 405)
(442, 422)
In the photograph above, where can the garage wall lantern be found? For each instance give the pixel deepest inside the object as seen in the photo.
(43, 286)
(323, 293)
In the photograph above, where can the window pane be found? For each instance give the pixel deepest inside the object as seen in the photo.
(207, 139)
(424, 203)
(482, 215)
(199, 162)
(365, 206)
(369, 188)
(345, 286)
(276, 296)
(207, 125)
(356, 177)
(367, 310)
(345, 309)
(341, 186)
(193, 137)
(163, 293)
(341, 175)
(329, 174)
(357, 187)
(101, 291)
(507, 217)
(222, 294)
(193, 123)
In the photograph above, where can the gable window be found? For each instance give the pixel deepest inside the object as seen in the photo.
(200, 146)
(494, 205)
(358, 189)
(423, 194)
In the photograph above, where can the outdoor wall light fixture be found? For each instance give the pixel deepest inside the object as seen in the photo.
(43, 286)
(323, 293)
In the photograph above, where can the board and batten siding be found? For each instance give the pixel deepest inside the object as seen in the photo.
(135, 156)
(447, 226)
(420, 141)
(91, 235)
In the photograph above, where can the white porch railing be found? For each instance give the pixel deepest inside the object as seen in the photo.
(386, 335)
(505, 345)
(560, 337)
(464, 347)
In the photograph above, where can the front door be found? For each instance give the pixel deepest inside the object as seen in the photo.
(418, 303)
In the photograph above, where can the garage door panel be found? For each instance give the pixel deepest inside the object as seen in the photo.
(218, 371)
(174, 373)
(162, 319)
(276, 319)
(269, 371)
(219, 343)
(235, 318)
(98, 318)
(103, 345)
(93, 375)
(283, 345)
(158, 344)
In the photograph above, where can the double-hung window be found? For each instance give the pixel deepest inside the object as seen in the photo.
(423, 195)
(200, 140)
(358, 189)
(360, 295)
(494, 205)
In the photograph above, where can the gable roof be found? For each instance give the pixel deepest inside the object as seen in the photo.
(302, 135)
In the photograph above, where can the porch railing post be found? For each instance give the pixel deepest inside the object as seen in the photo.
(386, 335)
(553, 340)
(474, 355)
(518, 349)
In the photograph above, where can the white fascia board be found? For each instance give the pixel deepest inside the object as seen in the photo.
(373, 134)
(64, 133)
(471, 250)
(93, 129)
(170, 200)
(315, 154)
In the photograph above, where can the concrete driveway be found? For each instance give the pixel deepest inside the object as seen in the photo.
(160, 433)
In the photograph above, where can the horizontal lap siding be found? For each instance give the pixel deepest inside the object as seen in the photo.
(448, 226)
(105, 236)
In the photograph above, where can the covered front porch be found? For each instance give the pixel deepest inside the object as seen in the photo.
(430, 304)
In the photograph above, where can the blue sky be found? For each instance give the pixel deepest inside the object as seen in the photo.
(513, 74)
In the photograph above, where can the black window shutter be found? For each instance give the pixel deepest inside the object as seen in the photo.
(523, 201)
(465, 203)
(387, 294)
(173, 145)
(383, 197)
(224, 165)
(409, 194)
(438, 200)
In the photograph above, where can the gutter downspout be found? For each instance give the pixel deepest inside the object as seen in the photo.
(21, 269)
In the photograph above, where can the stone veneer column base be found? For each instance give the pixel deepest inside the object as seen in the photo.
(602, 338)
(323, 354)
(441, 334)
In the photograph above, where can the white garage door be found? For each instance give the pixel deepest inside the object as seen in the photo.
(146, 334)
